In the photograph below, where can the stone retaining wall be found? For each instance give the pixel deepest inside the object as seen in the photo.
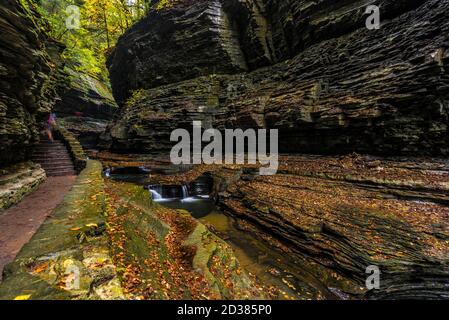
(17, 181)
(68, 257)
(74, 147)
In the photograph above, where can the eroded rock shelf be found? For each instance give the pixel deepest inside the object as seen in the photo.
(339, 215)
(363, 176)
(344, 89)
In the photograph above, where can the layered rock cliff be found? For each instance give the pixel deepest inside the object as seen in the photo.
(351, 213)
(314, 71)
(28, 85)
(34, 82)
(338, 215)
(310, 69)
(86, 96)
(86, 107)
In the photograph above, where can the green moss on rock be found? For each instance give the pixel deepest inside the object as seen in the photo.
(68, 257)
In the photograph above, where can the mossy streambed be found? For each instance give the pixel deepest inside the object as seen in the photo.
(109, 240)
(281, 276)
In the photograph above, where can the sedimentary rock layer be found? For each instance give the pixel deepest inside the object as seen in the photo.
(191, 39)
(17, 181)
(328, 84)
(352, 213)
(85, 108)
(68, 257)
(85, 96)
(27, 84)
(167, 254)
(121, 245)
(340, 215)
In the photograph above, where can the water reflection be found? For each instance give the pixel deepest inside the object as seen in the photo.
(199, 207)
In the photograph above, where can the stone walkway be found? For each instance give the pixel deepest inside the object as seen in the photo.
(19, 223)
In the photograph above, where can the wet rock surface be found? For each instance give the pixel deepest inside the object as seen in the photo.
(19, 223)
(311, 70)
(71, 242)
(68, 257)
(17, 181)
(166, 254)
(335, 215)
(28, 85)
(339, 215)
(86, 107)
(346, 88)
(74, 148)
(109, 241)
(86, 96)
(86, 130)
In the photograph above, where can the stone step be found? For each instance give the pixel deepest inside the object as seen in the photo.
(50, 145)
(47, 162)
(49, 150)
(51, 162)
(50, 153)
(56, 170)
(56, 143)
(54, 158)
(60, 168)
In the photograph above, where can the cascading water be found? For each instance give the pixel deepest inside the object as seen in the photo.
(185, 192)
(155, 195)
(166, 192)
(193, 197)
(254, 254)
(157, 192)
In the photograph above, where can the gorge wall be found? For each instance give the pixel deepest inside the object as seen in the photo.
(86, 107)
(28, 83)
(36, 81)
(310, 69)
(86, 96)
(337, 215)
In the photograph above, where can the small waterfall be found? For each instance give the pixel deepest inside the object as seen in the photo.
(185, 191)
(156, 192)
(155, 195)
(164, 192)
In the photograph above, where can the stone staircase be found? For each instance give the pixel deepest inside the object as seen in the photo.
(54, 158)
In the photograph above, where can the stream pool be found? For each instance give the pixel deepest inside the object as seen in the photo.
(276, 270)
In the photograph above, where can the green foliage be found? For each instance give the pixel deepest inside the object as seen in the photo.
(136, 96)
(101, 24)
(163, 4)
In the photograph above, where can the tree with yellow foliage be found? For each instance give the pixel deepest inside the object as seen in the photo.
(102, 22)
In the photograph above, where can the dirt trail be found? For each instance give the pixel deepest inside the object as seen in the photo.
(19, 223)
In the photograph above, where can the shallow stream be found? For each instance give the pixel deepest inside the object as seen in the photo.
(273, 268)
